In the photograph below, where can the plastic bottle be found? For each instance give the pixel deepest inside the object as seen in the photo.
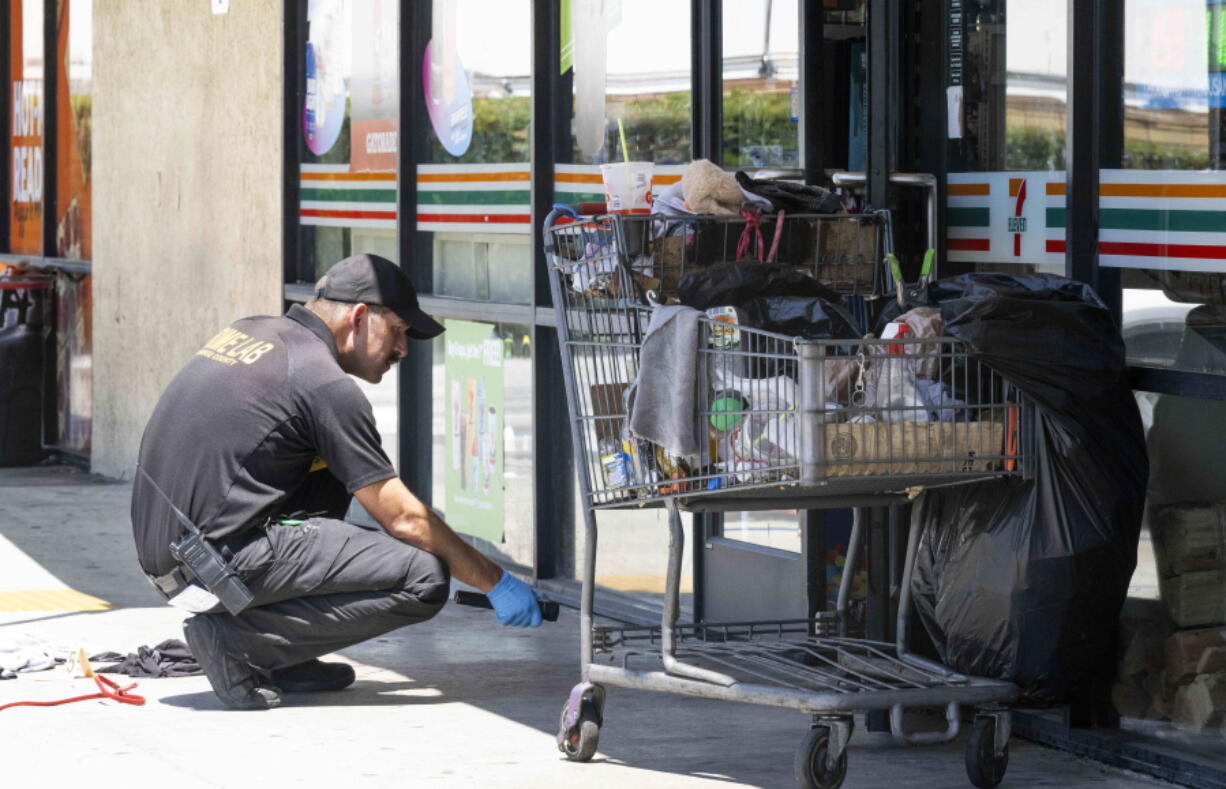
(614, 463)
(726, 412)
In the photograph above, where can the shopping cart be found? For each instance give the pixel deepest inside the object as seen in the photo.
(790, 423)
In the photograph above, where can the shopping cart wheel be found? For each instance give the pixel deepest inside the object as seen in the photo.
(579, 742)
(812, 771)
(983, 766)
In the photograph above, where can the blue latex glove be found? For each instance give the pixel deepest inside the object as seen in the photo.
(515, 604)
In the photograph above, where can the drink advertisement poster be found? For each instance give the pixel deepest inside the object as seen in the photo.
(374, 88)
(474, 423)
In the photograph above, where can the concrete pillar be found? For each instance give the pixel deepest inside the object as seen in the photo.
(186, 192)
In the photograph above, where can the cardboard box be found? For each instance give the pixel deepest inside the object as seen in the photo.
(668, 263)
(1189, 537)
(883, 448)
(848, 259)
(608, 401)
(1195, 599)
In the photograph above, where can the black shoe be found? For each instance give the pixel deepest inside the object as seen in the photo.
(234, 682)
(313, 676)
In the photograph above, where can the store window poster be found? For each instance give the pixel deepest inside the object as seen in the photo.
(374, 88)
(474, 454)
(74, 108)
(328, 62)
(25, 127)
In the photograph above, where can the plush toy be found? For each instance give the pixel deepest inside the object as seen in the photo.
(708, 189)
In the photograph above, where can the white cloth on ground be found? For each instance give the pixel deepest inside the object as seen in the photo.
(26, 653)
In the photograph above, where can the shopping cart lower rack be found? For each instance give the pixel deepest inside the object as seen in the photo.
(790, 423)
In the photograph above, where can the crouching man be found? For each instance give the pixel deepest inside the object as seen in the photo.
(253, 451)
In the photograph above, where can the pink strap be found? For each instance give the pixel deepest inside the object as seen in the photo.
(752, 230)
(770, 257)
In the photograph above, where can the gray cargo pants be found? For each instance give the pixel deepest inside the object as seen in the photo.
(325, 585)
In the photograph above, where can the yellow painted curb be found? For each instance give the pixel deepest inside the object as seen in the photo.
(51, 600)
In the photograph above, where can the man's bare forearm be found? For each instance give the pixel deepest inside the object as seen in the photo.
(431, 534)
(407, 519)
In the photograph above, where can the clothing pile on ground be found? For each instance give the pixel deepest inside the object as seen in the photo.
(170, 658)
(27, 653)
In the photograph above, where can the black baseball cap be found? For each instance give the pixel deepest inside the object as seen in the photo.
(370, 279)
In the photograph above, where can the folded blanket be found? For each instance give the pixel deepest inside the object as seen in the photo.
(672, 376)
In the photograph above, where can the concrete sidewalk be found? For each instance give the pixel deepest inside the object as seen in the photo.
(457, 701)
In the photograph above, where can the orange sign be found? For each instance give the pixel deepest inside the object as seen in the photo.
(72, 186)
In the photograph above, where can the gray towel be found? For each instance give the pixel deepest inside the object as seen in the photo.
(671, 387)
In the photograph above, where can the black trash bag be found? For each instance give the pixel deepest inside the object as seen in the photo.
(773, 298)
(791, 196)
(984, 285)
(1023, 579)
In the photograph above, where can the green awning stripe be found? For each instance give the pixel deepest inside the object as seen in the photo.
(498, 197)
(967, 217)
(1150, 219)
(350, 195)
(1179, 221)
(570, 198)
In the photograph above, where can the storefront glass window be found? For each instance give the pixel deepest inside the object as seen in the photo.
(761, 110)
(473, 191)
(1163, 217)
(348, 151)
(631, 63)
(1162, 220)
(1007, 93)
(26, 112)
(773, 529)
(482, 456)
(350, 133)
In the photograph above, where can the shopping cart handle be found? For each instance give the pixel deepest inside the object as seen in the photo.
(549, 608)
(559, 210)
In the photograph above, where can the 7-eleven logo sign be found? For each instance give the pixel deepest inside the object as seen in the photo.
(1002, 217)
(1017, 222)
